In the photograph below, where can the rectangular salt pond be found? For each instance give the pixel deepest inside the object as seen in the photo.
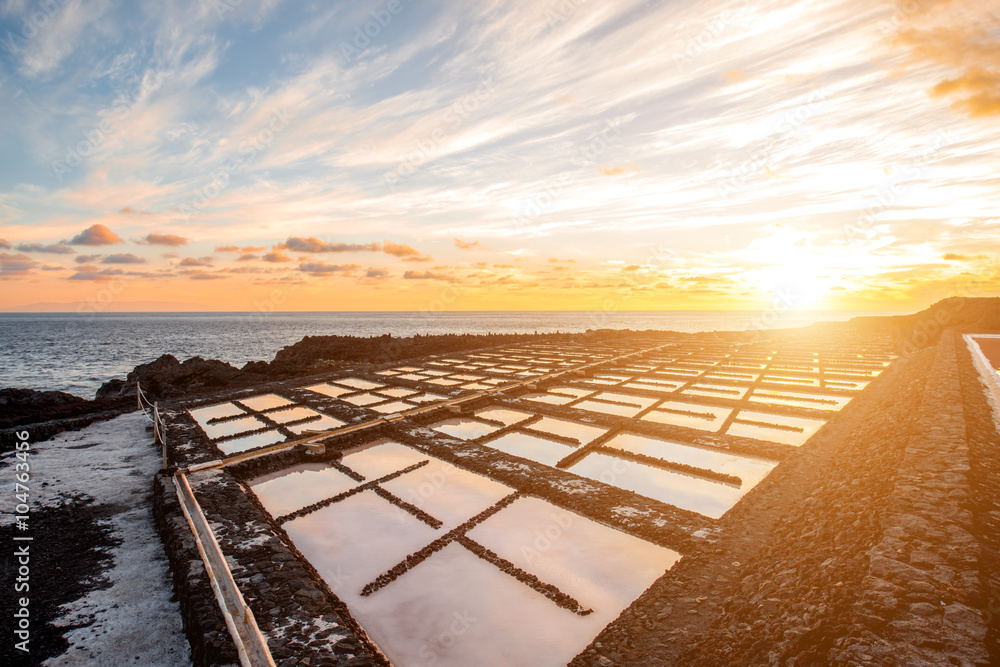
(602, 568)
(391, 407)
(324, 423)
(466, 429)
(775, 428)
(363, 399)
(292, 414)
(448, 493)
(237, 445)
(357, 383)
(624, 405)
(330, 390)
(203, 415)
(380, 458)
(787, 379)
(232, 427)
(749, 469)
(552, 399)
(697, 494)
(397, 392)
(292, 489)
(504, 415)
(796, 399)
(715, 390)
(427, 397)
(455, 609)
(568, 429)
(690, 415)
(264, 402)
(661, 387)
(534, 448)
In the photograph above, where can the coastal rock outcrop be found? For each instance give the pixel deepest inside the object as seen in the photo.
(167, 377)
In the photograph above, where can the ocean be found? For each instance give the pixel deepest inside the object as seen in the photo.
(75, 353)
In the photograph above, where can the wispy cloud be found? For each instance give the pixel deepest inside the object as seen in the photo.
(511, 132)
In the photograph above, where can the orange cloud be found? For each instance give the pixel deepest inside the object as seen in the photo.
(123, 258)
(322, 268)
(15, 266)
(399, 250)
(313, 244)
(196, 261)
(467, 245)
(171, 240)
(95, 235)
(277, 256)
(426, 275)
(965, 39)
(55, 248)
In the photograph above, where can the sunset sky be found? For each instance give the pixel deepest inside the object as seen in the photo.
(535, 154)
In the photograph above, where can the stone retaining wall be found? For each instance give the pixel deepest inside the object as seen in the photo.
(924, 572)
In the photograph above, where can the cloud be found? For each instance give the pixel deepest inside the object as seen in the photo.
(313, 244)
(128, 210)
(4, 244)
(123, 258)
(196, 261)
(376, 273)
(426, 275)
(247, 257)
(96, 235)
(227, 248)
(320, 268)
(962, 40)
(399, 250)
(206, 276)
(955, 257)
(15, 266)
(171, 240)
(276, 256)
(54, 248)
(97, 276)
(86, 259)
(467, 245)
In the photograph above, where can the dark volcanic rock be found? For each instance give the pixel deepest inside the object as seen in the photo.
(923, 329)
(314, 353)
(166, 378)
(14, 402)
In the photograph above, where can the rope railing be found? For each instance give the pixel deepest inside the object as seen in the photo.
(159, 428)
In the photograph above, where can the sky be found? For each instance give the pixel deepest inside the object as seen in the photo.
(259, 155)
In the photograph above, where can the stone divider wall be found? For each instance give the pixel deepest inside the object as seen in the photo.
(924, 573)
